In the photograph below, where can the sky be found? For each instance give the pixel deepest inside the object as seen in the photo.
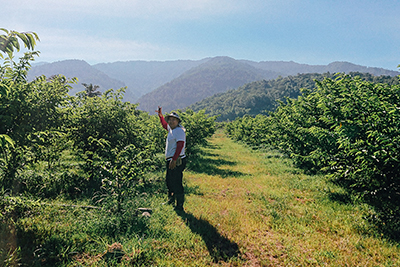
(315, 32)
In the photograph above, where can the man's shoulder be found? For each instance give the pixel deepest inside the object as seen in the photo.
(179, 130)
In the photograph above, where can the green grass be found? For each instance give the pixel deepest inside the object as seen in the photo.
(243, 208)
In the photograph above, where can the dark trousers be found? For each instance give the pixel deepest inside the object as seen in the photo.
(174, 178)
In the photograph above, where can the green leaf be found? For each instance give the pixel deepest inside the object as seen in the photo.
(14, 42)
(5, 139)
(31, 40)
(25, 40)
(4, 90)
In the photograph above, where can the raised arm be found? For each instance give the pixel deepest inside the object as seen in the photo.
(162, 120)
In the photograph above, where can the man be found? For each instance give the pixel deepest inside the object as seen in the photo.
(175, 157)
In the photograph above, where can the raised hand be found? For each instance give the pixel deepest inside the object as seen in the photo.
(159, 111)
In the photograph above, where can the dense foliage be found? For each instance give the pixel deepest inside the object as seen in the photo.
(260, 97)
(348, 128)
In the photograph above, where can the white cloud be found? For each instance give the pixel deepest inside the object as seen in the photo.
(73, 45)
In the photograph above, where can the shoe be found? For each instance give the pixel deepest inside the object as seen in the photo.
(180, 199)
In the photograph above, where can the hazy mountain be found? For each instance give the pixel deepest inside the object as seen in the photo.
(142, 77)
(79, 69)
(180, 83)
(216, 75)
(293, 68)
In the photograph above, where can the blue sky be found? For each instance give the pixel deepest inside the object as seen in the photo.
(364, 32)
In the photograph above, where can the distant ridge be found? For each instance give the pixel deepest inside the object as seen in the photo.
(293, 68)
(180, 83)
(79, 69)
(142, 77)
(220, 74)
(217, 75)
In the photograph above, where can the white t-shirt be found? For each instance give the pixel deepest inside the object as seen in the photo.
(174, 135)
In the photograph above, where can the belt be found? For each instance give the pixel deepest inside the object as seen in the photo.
(181, 157)
(178, 161)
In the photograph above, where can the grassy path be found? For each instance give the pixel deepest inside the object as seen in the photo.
(245, 208)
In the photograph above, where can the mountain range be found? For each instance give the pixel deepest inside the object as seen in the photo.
(181, 83)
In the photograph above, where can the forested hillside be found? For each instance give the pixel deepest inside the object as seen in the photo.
(217, 75)
(261, 96)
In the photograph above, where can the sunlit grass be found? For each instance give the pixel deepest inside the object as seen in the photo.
(243, 208)
(280, 216)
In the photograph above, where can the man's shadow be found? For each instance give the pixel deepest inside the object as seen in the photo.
(219, 247)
